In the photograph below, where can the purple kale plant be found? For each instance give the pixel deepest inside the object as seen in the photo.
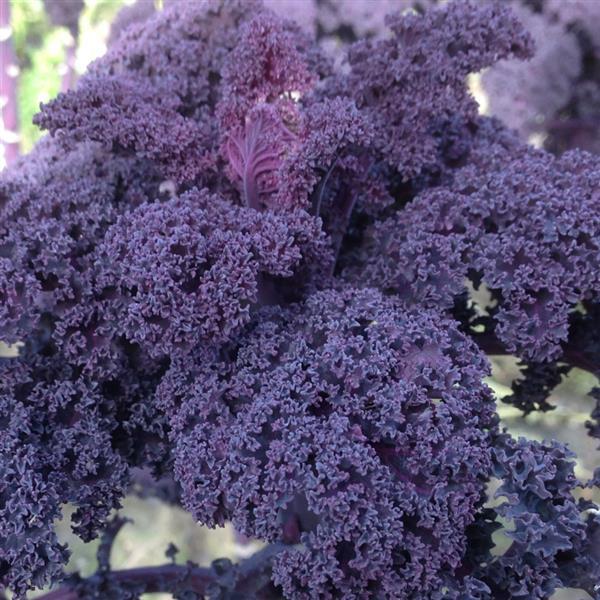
(554, 97)
(239, 267)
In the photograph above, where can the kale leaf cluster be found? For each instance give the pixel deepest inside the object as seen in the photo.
(241, 265)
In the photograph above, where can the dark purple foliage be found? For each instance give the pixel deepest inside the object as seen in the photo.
(271, 60)
(240, 278)
(550, 542)
(532, 391)
(189, 270)
(415, 82)
(59, 443)
(526, 229)
(149, 125)
(130, 15)
(347, 424)
(254, 153)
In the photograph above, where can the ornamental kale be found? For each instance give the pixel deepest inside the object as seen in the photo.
(348, 427)
(243, 267)
(526, 227)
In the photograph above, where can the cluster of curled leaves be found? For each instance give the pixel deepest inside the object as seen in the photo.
(239, 267)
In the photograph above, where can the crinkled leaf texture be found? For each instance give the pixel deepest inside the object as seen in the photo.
(243, 268)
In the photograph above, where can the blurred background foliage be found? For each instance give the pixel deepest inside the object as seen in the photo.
(41, 51)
